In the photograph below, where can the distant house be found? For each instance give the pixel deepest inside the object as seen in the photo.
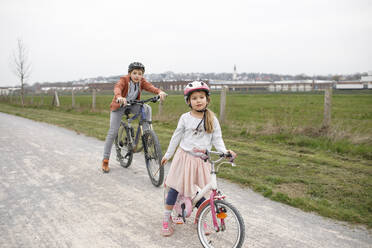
(367, 80)
(4, 91)
(9, 90)
(349, 85)
(65, 88)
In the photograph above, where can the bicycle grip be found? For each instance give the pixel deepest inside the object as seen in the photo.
(230, 157)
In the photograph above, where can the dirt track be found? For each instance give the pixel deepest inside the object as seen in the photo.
(53, 194)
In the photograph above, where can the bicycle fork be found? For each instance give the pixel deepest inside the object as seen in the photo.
(216, 212)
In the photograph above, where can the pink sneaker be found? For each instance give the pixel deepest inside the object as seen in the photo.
(167, 229)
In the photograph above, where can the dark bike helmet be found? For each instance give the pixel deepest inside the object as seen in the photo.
(136, 65)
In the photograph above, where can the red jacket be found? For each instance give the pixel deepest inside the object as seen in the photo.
(122, 86)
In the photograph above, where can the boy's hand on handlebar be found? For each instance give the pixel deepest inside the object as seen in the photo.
(121, 100)
(164, 161)
(162, 95)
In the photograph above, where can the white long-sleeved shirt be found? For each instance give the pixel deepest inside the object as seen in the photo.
(188, 137)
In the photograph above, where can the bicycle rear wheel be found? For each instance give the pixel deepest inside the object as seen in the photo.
(153, 157)
(230, 222)
(124, 153)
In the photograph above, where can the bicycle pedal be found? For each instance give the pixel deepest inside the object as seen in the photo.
(177, 220)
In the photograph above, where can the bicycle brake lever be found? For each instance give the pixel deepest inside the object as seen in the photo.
(130, 102)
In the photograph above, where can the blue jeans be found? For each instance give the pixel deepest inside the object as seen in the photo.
(172, 198)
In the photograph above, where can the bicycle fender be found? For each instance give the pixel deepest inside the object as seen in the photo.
(206, 202)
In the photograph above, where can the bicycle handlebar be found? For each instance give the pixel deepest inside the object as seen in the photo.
(152, 99)
(133, 102)
(206, 155)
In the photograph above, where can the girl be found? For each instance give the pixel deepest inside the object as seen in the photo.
(128, 88)
(200, 129)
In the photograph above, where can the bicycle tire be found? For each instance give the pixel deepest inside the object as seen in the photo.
(123, 146)
(233, 233)
(153, 156)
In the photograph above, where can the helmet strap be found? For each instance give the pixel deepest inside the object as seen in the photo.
(202, 120)
(204, 116)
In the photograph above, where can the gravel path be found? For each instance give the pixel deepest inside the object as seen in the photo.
(53, 194)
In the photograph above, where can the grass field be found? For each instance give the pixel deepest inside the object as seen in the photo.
(283, 153)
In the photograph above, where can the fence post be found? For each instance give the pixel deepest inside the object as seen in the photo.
(160, 109)
(55, 99)
(42, 99)
(72, 99)
(94, 100)
(327, 107)
(223, 104)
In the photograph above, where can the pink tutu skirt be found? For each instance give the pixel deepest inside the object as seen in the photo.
(187, 171)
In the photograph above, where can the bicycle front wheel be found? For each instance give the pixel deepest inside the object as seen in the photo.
(124, 153)
(231, 226)
(153, 157)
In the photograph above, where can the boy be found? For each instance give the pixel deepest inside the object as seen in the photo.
(127, 88)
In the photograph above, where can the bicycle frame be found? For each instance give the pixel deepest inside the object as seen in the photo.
(139, 131)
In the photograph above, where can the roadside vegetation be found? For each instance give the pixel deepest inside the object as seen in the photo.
(283, 152)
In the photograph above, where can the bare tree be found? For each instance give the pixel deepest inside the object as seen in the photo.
(21, 66)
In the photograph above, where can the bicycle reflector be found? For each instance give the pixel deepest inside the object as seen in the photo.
(221, 215)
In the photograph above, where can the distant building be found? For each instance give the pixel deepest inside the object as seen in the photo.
(235, 74)
(4, 91)
(367, 78)
(344, 85)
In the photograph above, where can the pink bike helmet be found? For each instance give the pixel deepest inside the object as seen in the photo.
(195, 86)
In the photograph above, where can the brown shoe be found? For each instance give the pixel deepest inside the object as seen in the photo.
(105, 166)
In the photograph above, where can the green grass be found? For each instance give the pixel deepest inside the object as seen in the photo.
(282, 152)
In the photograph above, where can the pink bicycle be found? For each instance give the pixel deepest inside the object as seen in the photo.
(219, 223)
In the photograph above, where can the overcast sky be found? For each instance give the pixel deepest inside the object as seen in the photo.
(73, 39)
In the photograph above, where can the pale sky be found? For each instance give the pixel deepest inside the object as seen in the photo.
(73, 39)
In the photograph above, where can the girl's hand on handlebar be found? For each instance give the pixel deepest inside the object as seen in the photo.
(164, 161)
(121, 100)
(233, 155)
(162, 95)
